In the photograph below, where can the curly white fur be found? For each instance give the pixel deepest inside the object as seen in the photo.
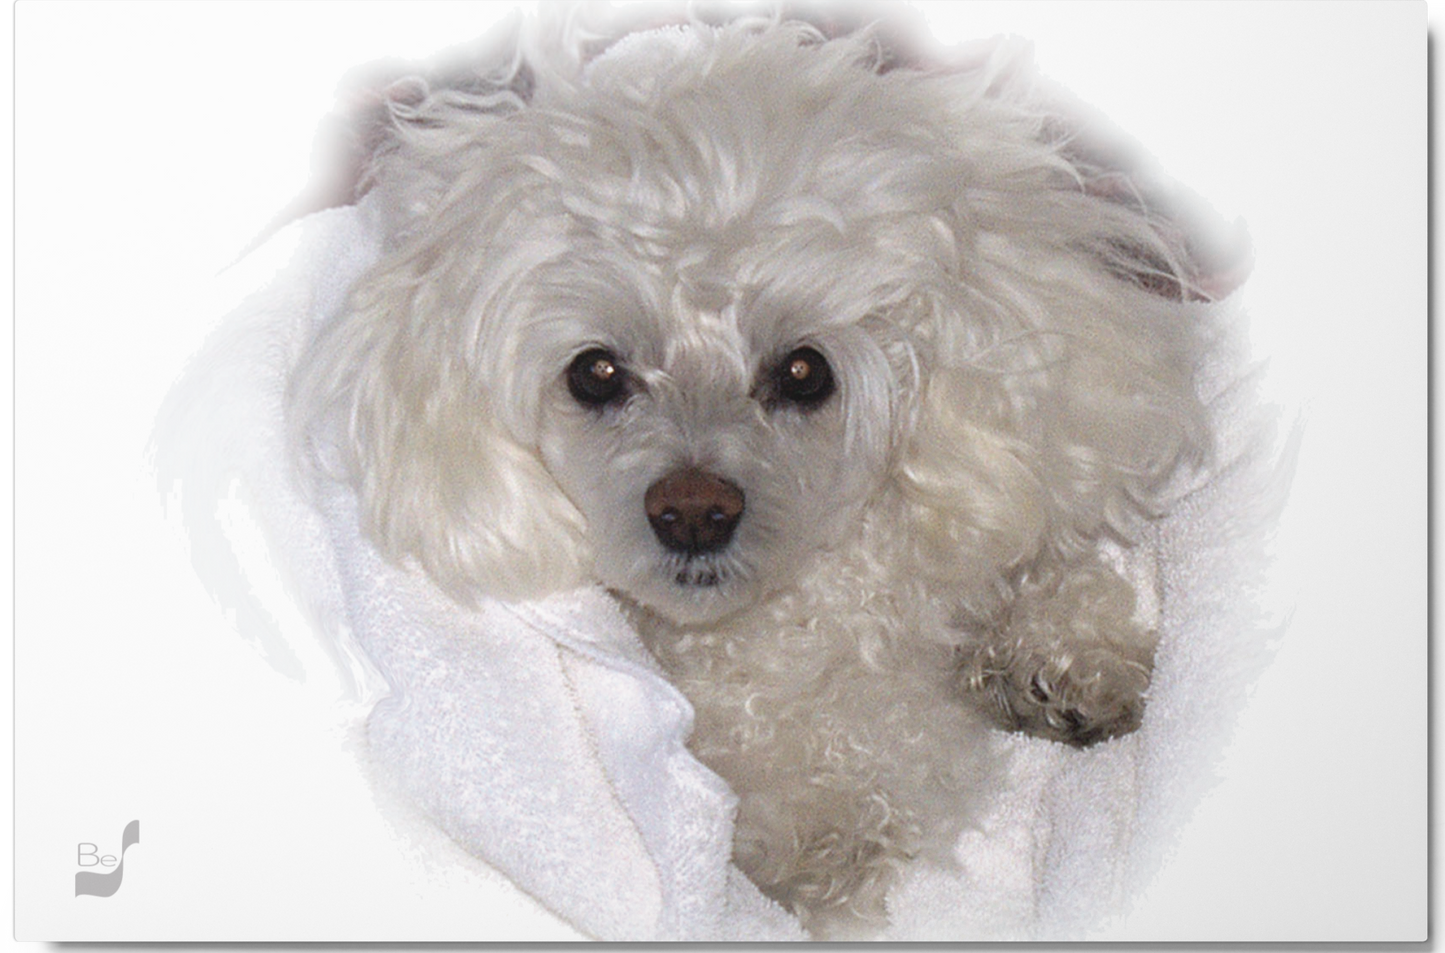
(1012, 390)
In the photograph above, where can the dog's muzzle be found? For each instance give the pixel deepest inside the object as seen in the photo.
(693, 512)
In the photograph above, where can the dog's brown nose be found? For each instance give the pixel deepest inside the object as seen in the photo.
(693, 511)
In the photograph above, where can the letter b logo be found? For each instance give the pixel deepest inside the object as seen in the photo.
(93, 883)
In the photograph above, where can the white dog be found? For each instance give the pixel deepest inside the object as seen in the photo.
(841, 373)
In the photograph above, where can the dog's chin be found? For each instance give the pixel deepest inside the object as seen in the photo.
(691, 592)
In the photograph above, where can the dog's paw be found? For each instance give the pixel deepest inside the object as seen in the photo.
(1079, 698)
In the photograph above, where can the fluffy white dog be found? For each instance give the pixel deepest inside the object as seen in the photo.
(843, 374)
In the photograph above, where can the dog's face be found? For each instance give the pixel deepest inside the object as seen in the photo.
(705, 322)
(713, 438)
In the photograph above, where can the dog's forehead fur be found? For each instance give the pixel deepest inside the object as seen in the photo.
(757, 175)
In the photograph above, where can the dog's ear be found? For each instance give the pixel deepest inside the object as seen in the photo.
(1058, 376)
(387, 397)
(384, 399)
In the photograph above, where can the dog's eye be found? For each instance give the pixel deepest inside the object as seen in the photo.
(596, 378)
(804, 378)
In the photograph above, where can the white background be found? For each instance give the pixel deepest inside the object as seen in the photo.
(153, 141)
